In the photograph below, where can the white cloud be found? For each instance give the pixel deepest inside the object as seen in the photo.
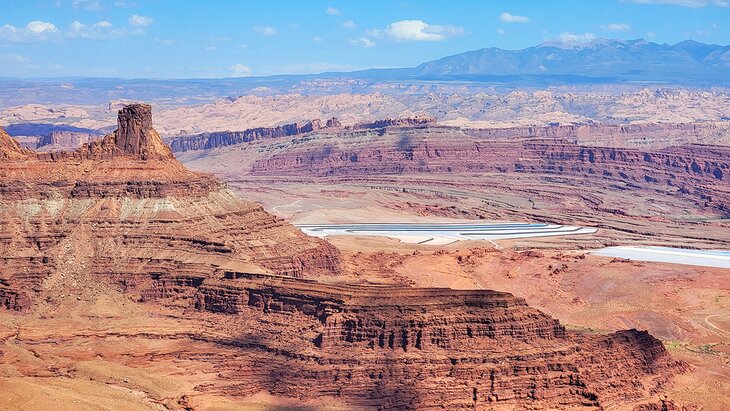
(98, 31)
(102, 30)
(684, 3)
(265, 30)
(375, 32)
(576, 38)
(650, 35)
(41, 27)
(36, 31)
(513, 18)
(210, 47)
(617, 27)
(417, 30)
(698, 33)
(501, 32)
(33, 31)
(140, 21)
(317, 39)
(333, 11)
(362, 41)
(240, 70)
(349, 24)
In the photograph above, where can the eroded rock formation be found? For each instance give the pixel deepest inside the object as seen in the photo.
(397, 122)
(206, 141)
(122, 212)
(63, 140)
(226, 138)
(697, 170)
(139, 211)
(411, 348)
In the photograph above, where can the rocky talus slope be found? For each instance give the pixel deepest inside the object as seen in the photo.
(124, 213)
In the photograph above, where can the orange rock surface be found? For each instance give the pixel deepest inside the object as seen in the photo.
(116, 259)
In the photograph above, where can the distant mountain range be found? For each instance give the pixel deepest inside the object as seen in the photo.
(600, 61)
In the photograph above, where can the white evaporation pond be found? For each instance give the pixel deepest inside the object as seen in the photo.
(444, 233)
(710, 258)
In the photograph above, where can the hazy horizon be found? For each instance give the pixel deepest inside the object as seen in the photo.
(172, 40)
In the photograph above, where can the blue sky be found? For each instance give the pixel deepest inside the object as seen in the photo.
(186, 39)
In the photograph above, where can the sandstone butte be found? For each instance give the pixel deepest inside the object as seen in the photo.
(124, 212)
(63, 140)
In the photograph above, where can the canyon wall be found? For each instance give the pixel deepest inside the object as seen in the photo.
(206, 141)
(261, 302)
(393, 347)
(137, 211)
(226, 138)
(697, 170)
(646, 136)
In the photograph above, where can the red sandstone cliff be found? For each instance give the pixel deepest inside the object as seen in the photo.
(122, 212)
(9, 148)
(127, 190)
(646, 136)
(697, 170)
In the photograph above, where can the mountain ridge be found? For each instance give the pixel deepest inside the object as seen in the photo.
(622, 60)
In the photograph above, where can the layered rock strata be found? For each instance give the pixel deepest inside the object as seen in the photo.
(122, 212)
(397, 122)
(206, 141)
(137, 211)
(643, 136)
(226, 138)
(700, 171)
(410, 348)
(648, 136)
